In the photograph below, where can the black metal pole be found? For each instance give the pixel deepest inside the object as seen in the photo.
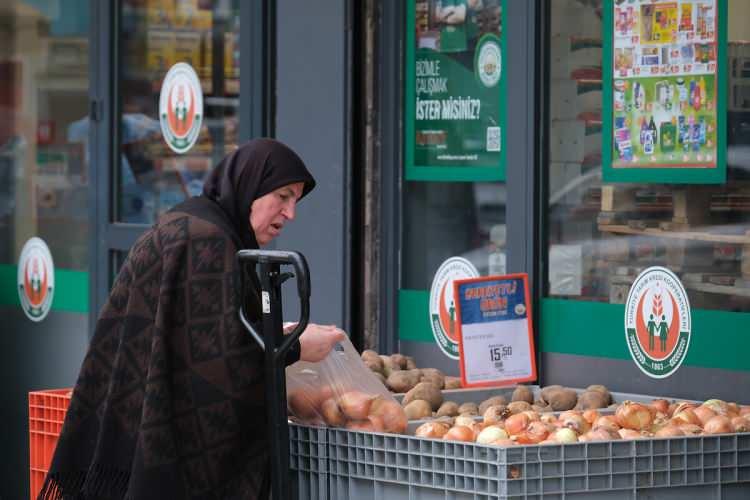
(275, 378)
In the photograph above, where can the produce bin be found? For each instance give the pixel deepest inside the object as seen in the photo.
(374, 466)
(46, 416)
(339, 464)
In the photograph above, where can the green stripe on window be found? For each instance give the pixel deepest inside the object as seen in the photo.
(71, 289)
(719, 339)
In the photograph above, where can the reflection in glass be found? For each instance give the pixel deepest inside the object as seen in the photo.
(602, 235)
(154, 37)
(43, 92)
(449, 219)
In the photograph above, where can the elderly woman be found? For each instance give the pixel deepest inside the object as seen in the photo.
(169, 401)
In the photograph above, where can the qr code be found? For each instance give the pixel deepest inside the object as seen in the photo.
(493, 139)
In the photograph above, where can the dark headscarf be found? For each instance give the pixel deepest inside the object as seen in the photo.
(254, 169)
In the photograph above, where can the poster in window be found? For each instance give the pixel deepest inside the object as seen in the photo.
(665, 100)
(455, 95)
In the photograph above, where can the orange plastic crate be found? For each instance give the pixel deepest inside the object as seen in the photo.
(46, 415)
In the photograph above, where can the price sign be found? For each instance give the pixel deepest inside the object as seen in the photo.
(493, 316)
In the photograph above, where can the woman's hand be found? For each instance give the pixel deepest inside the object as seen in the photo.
(318, 340)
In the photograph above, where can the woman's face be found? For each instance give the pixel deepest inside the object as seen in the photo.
(270, 212)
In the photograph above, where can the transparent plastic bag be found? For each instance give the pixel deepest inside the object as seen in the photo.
(341, 391)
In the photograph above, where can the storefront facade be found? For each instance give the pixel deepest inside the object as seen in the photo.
(514, 177)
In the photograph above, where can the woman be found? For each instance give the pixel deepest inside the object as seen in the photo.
(169, 402)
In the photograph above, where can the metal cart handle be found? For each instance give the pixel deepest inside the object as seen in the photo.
(275, 345)
(279, 257)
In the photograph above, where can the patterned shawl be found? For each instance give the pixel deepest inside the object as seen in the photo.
(169, 402)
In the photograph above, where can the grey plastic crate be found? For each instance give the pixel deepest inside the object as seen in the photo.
(375, 466)
(308, 461)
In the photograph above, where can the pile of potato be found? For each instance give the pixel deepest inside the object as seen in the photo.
(512, 425)
(400, 374)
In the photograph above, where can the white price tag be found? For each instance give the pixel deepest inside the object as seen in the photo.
(495, 333)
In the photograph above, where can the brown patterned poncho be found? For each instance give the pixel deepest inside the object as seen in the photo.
(169, 402)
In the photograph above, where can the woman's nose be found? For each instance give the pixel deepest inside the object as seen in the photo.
(289, 211)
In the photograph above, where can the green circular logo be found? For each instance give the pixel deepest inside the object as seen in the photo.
(488, 60)
(657, 322)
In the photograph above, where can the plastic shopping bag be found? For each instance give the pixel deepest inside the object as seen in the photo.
(340, 391)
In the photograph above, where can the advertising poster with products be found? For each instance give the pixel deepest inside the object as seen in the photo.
(455, 95)
(665, 61)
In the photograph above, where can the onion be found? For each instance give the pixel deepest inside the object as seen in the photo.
(718, 425)
(660, 405)
(392, 413)
(630, 434)
(740, 424)
(744, 410)
(670, 430)
(515, 424)
(564, 435)
(305, 403)
(332, 413)
(431, 430)
(691, 429)
(491, 433)
(704, 414)
(464, 420)
(460, 433)
(590, 416)
(495, 414)
(533, 416)
(600, 434)
(634, 416)
(734, 410)
(686, 416)
(682, 405)
(356, 404)
(576, 422)
(548, 418)
(536, 432)
(608, 422)
(718, 406)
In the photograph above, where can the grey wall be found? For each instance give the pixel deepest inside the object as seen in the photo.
(33, 356)
(311, 93)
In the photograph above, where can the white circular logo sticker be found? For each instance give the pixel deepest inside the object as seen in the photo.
(657, 322)
(36, 279)
(489, 61)
(442, 308)
(181, 107)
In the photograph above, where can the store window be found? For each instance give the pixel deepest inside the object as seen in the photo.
(601, 235)
(152, 176)
(44, 85)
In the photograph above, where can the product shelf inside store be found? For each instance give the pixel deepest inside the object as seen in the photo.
(680, 235)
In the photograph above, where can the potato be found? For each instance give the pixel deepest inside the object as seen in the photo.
(589, 400)
(418, 409)
(446, 419)
(523, 393)
(448, 409)
(561, 399)
(546, 390)
(374, 364)
(426, 391)
(470, 408)
(518, 407)
(494, 400)
(369, 354)
(410, 363)
(399, 360)
(402, 380)
(452, 382)
(433, 376)
(603, 390)
(389, 366)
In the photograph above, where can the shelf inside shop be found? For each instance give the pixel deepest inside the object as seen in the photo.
(679, 235)
(733, 290)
